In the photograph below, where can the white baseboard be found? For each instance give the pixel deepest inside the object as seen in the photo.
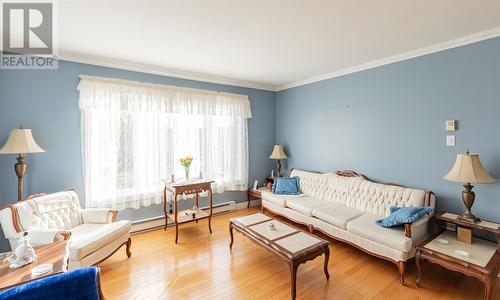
(158, 222)
(242, 205)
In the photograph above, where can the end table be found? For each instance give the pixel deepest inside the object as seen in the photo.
(255, 194)
(481, 259)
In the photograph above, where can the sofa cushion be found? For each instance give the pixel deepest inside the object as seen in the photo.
(366, 227)
(279, 200)
(305, 205)
(336, 214)
(88, 238)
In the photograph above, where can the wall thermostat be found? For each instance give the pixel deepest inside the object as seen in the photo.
(451, 125)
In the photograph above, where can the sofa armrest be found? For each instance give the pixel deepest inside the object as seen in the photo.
(408, 230)
(99, 215)
(419, 229)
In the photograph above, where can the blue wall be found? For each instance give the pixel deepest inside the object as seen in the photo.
(47, 102)
(389, 122)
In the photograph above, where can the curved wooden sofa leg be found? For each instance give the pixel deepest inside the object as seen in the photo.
(129, 242)
(310, 227)
(402, 270)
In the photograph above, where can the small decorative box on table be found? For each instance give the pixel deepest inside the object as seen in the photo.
(479, 259)
(189, 187)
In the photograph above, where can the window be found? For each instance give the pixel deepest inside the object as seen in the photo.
(133, 135)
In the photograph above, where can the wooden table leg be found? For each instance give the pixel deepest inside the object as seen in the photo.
(418, 257)
(327, 258)
(231, 233)
(488, 286)
(175, 216)
(197, 205)
(248, 199)
(210, 208)
(165, 207)
(293, 280)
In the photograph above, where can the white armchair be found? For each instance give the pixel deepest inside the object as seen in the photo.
(93, 234)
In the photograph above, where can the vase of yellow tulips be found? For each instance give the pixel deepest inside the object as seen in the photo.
(186, 163)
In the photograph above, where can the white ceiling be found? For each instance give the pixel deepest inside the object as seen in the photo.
(263, 43)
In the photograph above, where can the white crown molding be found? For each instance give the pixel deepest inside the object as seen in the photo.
(143, 68)
(462, 41)
(169, 72)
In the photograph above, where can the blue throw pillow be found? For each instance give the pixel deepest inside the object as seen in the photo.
(286, 185)
(403, 215)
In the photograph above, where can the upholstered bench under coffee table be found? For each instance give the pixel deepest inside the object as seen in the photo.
(291, 245)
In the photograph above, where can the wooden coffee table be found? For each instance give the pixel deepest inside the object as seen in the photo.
(55, 253)
(288, 243)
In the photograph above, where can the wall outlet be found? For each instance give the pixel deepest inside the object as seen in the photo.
(450, 140)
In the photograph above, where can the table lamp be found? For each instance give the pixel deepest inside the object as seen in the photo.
(278, 154)
(20, 141)
(468, 169)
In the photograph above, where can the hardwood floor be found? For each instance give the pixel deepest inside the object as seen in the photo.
(201, 266)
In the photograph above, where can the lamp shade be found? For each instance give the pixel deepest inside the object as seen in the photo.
(468, 169)
(278, 153)
(20, 141)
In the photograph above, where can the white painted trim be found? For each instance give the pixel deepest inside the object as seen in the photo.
(242, 205)
(144, 68)
(462, 41)
(170, 72)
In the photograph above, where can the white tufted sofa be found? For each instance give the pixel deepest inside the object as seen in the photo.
(93, 233)
(345, 206)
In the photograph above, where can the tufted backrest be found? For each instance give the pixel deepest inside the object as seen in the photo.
(312, 184)
(359, 193)
(49, 212)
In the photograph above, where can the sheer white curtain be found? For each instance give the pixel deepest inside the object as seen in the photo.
(133, 135)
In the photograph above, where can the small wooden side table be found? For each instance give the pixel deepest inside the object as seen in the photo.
(55, 253)
(255, 194)
(187, 188)
(441, 248)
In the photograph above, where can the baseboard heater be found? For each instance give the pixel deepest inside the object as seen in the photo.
(158, 222)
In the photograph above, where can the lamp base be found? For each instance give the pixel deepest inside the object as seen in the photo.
(278, 168)
(20, 168)
(468, 197)
(469, 217)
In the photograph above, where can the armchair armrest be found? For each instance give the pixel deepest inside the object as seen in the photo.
(44, 237)
(99, 215)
